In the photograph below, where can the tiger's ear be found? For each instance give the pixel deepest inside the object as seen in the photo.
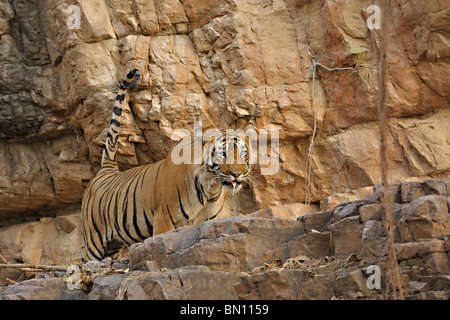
(248, 126)
(211, 135)
(209, 139)
(250, 131)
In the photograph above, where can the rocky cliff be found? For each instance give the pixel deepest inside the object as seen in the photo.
(340, 253)
(225, 63)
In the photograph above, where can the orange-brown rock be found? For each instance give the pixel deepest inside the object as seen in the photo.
(338, 253)
(224, 63)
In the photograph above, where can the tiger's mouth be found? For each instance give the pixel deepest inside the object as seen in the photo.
(232, 186)
(233, 182)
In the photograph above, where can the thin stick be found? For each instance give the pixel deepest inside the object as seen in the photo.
(308, 156)
(316, 64)
(32, 267)
(393, 276)
(3, 258)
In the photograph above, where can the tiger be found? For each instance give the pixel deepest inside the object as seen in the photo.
(120, 208)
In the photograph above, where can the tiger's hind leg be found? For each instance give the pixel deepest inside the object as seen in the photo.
(116, 248)
(94, 248)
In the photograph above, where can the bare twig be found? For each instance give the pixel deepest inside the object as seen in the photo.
(33, 267)
(393, 277)
(2, 258)
(316, 64)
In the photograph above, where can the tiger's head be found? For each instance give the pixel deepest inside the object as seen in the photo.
(227, 157)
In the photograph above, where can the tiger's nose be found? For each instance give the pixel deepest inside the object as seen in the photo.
(235, 174)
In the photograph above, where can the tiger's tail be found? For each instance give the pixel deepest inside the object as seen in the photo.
(110, 151)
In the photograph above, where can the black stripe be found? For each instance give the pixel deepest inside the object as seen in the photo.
(119, 185)
(186, 188)
(131, 73)
(148, 224)
(93, 244)
(135, 224)
(112, 142)
(181, 205)
(170, 216)
(117, 111)
(123, 177)
(93, 254)
(147, 221)
(157, 173)
(109, 137)
(215, 198)
(120, 97)
(116, 221)
(124, 219)
(216, 213)
(125, 210)
(97, 231)
(116, 226)
(115, 122)
(108, 166)
(107, 181)
(123, 239)
(108, 219)
(101, 213)
(143, 176)
(89, 208)
(94, 186)
(199, 189)
(113, 191)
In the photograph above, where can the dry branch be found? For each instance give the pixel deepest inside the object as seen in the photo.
(33, 267)
(2, 258)
(393, 276)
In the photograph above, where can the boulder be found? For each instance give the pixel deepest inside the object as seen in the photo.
(335, 254)
(224, 63)
(41, 289)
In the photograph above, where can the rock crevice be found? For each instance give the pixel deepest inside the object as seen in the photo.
(339, 253)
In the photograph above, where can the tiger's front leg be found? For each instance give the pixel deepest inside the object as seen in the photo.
(162, 222)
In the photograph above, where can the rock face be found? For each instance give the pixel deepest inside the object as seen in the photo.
(338, 253)
(225, 63)
(48, 241)
(222, 62)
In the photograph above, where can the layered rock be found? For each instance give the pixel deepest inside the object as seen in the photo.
(48, 241)
(225, 63)
(338, 253)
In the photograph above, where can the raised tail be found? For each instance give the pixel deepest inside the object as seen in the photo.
(110, 151)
